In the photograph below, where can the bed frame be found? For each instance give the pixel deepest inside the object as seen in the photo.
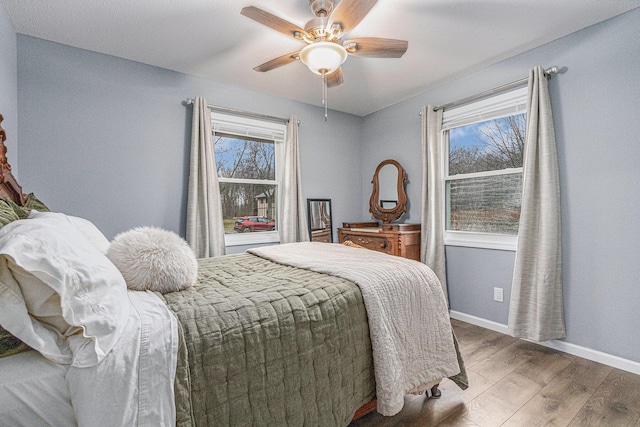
(9, 187)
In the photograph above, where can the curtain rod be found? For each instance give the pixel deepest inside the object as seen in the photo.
(548, 72)
(242, 112)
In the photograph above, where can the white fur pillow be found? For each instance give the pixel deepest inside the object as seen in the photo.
(154, 259)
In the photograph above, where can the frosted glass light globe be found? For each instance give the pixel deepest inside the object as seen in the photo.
(323, 56)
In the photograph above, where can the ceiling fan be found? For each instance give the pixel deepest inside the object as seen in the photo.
(325, 51)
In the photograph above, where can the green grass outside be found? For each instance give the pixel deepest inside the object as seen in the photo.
(228, 224)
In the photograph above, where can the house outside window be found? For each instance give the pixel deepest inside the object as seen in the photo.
(266, 208)
(248, 161)
(483, 158)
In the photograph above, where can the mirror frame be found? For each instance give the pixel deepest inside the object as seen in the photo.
(330, 228)
(386, 215)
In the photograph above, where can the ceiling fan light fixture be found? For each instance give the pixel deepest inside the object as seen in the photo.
(323, 57)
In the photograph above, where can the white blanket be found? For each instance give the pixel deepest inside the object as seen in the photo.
(133, 385)
(408, 317)
(34, 392)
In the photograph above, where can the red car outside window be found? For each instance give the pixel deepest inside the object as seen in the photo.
(247, 224)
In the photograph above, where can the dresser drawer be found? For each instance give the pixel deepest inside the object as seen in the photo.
(375, 243)
(397, 239)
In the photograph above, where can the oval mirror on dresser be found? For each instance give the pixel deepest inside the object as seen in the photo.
(388, 200)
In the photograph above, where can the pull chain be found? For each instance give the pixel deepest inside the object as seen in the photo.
(324, 93)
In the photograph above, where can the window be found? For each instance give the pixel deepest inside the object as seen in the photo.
(483, 150)
(248, 161)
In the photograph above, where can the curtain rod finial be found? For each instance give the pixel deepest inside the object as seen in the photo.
(553, 70)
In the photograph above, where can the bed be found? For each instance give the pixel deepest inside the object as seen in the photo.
(289, 335)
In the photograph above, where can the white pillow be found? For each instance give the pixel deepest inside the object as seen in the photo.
(84, 226)
(15, 316)
(58, 293)
(154, 259)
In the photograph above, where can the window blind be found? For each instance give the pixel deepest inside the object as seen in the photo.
(502, 105)
(242, 126)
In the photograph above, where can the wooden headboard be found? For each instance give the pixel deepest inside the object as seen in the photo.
(9, 187)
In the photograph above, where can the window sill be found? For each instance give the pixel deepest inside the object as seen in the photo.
(502, 242)
(253, 238)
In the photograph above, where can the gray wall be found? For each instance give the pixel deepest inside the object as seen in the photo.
(9, 87)
(108, 139)
(596, 110)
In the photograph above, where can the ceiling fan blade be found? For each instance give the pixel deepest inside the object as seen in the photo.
(278, 62)
(335, 78)
(376, 47)
(272, 21)
(349, 13)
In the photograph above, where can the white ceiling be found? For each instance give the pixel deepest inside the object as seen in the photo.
(210, 39)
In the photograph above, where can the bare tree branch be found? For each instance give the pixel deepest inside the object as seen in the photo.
(499, 144)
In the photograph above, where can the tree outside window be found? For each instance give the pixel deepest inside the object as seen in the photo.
(483, 185)
(247, 175)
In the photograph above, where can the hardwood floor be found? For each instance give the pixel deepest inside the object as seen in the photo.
(516, 383)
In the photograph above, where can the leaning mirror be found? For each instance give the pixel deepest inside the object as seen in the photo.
(319, 216)
(388, 200)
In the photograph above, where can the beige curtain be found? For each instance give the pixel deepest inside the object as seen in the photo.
(293, 220)
(536, 308)
(432, 244)
(205, 228)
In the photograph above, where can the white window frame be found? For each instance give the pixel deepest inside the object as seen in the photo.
(502, 105)
(262, 129)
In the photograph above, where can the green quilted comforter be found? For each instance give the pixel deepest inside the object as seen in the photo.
(268, 345)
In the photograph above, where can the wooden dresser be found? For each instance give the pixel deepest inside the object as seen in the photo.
(395, 239)
(323, 236)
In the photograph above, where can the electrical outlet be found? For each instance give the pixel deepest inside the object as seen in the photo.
(498, 294)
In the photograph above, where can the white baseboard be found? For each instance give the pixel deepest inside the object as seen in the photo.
(576, 350)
